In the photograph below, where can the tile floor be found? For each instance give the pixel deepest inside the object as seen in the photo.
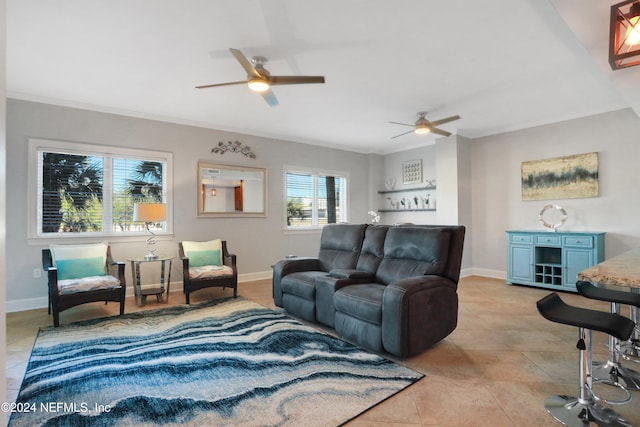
(495, 369)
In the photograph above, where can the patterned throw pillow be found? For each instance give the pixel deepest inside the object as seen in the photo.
(203, 253)
(77, 261)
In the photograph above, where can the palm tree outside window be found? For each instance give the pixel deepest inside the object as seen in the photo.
(91, 192)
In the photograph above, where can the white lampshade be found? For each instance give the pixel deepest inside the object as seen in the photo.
(149, 212)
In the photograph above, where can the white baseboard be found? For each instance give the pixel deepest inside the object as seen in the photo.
(484, 272)
(41, 302)
(26, 304)
(259, 275)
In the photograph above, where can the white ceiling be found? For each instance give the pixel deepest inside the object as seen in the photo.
(500, 64)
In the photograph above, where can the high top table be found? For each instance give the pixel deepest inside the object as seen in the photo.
(622, 271)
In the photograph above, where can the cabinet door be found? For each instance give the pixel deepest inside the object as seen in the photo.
(520, 264)
(576, 260)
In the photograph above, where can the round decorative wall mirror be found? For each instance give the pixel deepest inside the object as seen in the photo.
(552, 217)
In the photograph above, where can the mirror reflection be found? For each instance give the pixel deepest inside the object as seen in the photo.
(231, 190)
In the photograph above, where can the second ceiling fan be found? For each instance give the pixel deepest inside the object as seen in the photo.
(260, 80)
(422, 125)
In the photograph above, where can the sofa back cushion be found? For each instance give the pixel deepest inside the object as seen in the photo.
(413, 251)
(340, 246)
(372, 248)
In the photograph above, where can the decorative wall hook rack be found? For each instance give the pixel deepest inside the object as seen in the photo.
(233, 147)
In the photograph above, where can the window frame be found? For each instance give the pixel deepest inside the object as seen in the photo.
(316, 172)
(37, 146)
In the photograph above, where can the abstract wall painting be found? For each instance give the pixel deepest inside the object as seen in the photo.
(568, 177)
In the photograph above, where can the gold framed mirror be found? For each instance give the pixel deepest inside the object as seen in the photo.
(231, 191)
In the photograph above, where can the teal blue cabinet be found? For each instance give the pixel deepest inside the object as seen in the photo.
(551, 260)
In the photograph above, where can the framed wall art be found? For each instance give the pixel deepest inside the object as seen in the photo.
(568, 177)
(412, 172)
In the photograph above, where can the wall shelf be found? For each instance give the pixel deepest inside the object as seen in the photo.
(404, 190)
(406, 210)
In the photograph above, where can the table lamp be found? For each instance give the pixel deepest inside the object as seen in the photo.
(150, 213)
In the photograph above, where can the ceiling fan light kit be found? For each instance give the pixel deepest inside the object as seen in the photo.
(260, 80)
(423, 126)
(258, 85)
(624, 35)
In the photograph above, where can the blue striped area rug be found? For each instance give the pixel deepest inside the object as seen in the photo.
(230, 363)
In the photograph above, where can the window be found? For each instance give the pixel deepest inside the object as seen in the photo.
(90, 190)
(314, 198)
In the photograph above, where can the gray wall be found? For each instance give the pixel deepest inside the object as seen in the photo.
(478, 186)
(496, 193)
(258, 242)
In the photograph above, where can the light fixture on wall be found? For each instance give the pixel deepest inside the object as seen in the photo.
(214, 192)
(150, 213)
(624, 35)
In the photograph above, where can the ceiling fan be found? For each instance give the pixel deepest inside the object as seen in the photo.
(422, 125)
(260, 80)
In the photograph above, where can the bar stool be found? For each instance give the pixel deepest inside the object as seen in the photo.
(612, 371)
(579, 411)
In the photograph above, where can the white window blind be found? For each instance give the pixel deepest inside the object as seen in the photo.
(314, 199)
(83, 189)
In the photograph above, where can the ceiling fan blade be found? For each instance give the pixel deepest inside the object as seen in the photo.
(405, 133)
(443, 121)
(270, 98)
(403, 124)
(439, 131)
(245, 63)
(222, 84)
(295, 80)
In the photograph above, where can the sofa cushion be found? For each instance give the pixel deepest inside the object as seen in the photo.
(85, 284)
(372, 248)
(209, 271)
(413, 251)
(302, 284)
(340, 246)
(363, 302)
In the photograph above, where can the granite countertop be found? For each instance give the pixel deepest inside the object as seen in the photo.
(621, 270)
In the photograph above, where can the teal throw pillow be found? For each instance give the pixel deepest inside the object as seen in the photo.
(202, 258)
(78, 268)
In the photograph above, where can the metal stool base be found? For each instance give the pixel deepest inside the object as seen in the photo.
(616, 373)
(571, 412)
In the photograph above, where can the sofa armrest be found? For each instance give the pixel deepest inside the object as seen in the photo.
(288, 266)
(417, 313)
(342, 273)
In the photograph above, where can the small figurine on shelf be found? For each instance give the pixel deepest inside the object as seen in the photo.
(390, 201)
(415, 201)
(390, 183)
(425, 201)
(402, 202)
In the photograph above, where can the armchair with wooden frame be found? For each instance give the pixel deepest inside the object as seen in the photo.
(79, 274)
(207, 264)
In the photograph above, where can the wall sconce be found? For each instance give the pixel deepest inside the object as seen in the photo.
(624, 35)
(150, 213)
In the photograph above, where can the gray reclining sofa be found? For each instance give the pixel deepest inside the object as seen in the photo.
(387, 288)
